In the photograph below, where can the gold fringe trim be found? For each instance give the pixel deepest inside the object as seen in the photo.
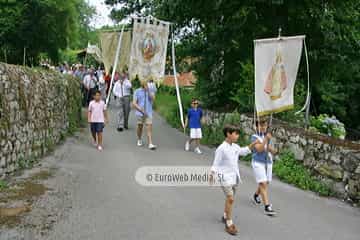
(284, 108)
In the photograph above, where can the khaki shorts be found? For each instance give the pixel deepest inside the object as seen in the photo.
(229, 190)
(144, 120)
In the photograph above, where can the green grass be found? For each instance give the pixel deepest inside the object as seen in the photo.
(289, 170)
(166, 105)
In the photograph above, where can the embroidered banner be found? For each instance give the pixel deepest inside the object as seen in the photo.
(109, 42)
(148, 50)
(95, 51)
(276, 67)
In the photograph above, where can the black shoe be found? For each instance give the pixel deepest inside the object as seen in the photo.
(223, 219)
(126, 128)
(269, 211)
(256, 199)
(120, 129)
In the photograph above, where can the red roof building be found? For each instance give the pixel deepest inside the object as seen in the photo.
(185, 80)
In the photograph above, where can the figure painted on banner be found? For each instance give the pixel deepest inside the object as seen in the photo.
(148, 47)
(276, 82)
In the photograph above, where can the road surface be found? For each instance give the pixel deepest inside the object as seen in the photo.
(107, 202)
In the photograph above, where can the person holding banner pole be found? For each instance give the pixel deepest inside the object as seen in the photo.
(143, 103)
(262, 162)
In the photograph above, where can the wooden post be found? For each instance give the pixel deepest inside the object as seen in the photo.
(24, 60)
(5, 55)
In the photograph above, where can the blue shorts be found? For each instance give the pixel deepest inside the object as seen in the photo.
(97, 127)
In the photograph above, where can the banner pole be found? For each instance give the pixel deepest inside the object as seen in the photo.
(176, 82)
(307, 102)
(115, 64)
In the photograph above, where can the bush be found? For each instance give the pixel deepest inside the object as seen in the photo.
(329, 126)
(167, 106)
(289, 170)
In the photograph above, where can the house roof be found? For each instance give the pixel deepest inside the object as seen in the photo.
(184, 79)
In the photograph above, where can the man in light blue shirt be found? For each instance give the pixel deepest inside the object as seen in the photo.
(143, 103)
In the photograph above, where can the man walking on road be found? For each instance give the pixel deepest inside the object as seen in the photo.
(143, 103)
(90, 86)
(122, 91)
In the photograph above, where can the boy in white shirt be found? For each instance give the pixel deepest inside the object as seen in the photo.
(226, 166)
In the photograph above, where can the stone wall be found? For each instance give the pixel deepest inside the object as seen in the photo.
(337, 162)
(37, 109)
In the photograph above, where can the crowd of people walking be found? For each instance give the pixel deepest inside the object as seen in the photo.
(96, 87)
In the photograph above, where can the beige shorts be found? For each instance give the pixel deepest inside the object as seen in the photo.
(229, 190)
(144, 120)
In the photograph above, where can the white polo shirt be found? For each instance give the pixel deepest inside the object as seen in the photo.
(90, 82)
(226, 162)
(122, 89)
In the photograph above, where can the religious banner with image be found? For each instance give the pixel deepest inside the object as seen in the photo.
(148, 49)
(276, 67)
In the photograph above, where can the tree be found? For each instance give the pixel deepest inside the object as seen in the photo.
(42, 26)
(220, 35)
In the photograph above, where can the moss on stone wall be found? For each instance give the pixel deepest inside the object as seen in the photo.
(38, 109)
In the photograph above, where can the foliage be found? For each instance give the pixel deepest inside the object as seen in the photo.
(222, 32)
(328, 125)
(26, 163)
(74, 110)
(42, 26)
(291, 171)
(243, 92)
(3, 185)
(68, 56)
(286, 168)
(166, 105)
(130, 7)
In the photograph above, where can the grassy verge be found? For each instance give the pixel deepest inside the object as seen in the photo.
(286, 168)
(291, 171)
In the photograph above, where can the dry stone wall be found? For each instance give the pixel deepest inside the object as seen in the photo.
(336, 162)
(38, 108)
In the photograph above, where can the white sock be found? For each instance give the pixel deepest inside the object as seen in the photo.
(224, 215)
(229, 223)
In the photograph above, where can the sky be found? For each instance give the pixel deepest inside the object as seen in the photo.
(102, 14)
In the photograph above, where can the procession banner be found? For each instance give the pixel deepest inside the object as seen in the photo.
(95, 51)
(148, 50)
(276, 67)
(109, 42)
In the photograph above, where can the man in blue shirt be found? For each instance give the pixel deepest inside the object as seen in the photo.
(143, 103)
(194, 117)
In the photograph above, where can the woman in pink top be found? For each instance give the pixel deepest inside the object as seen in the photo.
(97, 117)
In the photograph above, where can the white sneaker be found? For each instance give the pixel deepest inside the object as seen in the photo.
(139, 143)
(100, 148)
(187, 146)
(94, 144)
(152, 146)
(197, 150)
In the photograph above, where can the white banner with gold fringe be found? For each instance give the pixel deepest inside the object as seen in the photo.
(148, 49)
(276, 66)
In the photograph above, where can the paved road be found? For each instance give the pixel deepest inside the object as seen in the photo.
(107, 203)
